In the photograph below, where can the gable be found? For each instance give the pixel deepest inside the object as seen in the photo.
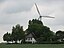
(29, 36)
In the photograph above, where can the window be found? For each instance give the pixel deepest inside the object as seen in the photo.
(31, 38)
(28, 38)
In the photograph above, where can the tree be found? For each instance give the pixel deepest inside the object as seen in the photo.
(40, 30)
(17, 33)
(60, 35)
(7, 37)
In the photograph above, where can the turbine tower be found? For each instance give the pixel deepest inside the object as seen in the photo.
(40, 16)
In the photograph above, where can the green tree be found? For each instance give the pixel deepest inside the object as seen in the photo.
(17, 33)
(7, 37)
(60, 35)
(40, 31)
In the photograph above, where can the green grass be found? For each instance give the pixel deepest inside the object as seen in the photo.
(31, 45)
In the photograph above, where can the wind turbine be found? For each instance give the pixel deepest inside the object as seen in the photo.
(40, 17)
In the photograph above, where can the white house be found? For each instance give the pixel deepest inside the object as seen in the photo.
(30, 38)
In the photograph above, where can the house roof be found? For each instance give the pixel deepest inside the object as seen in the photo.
(30, 35)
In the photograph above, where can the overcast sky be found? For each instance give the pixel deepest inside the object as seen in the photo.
(14, 12)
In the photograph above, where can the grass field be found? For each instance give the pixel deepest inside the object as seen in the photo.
(31, 45)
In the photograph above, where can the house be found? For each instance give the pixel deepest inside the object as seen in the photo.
(30, 38)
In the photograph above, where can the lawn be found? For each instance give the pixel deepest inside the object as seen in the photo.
(31, 45)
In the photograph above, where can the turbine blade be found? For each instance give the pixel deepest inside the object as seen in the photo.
(37, 9)
(48, 16)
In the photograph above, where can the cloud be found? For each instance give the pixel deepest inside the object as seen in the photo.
(17, 11)
(14, 6)
(2, 1)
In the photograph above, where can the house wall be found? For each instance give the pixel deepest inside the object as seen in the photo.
(30, 40)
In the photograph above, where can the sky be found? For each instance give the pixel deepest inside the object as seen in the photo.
(14, 12)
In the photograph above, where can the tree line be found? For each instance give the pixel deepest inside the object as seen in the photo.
(16, 35)
(43, 34)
